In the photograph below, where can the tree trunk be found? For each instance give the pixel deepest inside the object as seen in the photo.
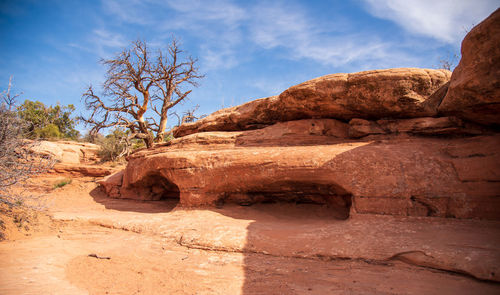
(145, 135)
(160, 136)
(148, 140)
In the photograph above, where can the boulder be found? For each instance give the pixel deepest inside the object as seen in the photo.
(112, 184)
(398, 93)
(474, 91)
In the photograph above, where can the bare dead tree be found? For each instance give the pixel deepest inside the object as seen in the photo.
(7, 99)
(188, 116)
(449, 62)
(17, 160)
(140, 89)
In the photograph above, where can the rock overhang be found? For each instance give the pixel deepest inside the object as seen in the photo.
(402, 126)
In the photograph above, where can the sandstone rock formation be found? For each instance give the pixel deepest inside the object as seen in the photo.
(397, 93)
(375, 142)
(83, 170)
(73, 158)
(474, 92)
(69, 152)
(397, 175)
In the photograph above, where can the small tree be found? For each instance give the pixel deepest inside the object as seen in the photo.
(448, 62)
(113, 146)
(140, 89)
(188, 116)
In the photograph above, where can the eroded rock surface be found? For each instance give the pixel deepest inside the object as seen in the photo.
(414, 176)
(474, 92)
(376, 94)
(83, 170)
(68, 152)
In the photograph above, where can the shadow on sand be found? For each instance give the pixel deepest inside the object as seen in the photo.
(161, 206)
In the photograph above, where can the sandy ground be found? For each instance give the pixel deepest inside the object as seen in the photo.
(158, 248)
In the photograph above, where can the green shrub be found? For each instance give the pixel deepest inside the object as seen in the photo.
(112, 145)
(62, 183)
(50, 122)
(50, 131)
(169, 137)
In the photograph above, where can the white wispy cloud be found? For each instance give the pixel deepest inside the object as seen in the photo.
(221, 58)
(445, 20)
(278, 25)
(109, 39)
(106, 42)
(129, 11)
(227, 33)
(217, 26)
(271, 87)
(275, 24)
(222, 11)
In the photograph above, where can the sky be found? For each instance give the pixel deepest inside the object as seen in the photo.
(246, 49)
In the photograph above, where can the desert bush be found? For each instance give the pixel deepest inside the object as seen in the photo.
(47, 122)
(51, 131)
(116, 145)
(17, 162)
(448, 62)
(113, 145)
(62, 183)
(92, 137)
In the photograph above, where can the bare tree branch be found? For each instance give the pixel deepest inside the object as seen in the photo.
(188, 116)
(7, 98)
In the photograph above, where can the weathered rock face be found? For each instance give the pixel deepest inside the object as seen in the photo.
(73, 158)
(395, 93)
(365, 143)
(414, 176)
(68, 152)
(474, 92)
(83, 170)
(417, 126)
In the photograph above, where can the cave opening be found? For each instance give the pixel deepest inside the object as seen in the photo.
(334, 198)
(156, 187)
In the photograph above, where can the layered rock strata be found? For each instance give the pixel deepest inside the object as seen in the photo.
(68, 152)
(399, 93)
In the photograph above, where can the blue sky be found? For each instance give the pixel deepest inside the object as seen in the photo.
(246, 49)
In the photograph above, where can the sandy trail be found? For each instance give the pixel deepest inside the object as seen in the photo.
(157, 248)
